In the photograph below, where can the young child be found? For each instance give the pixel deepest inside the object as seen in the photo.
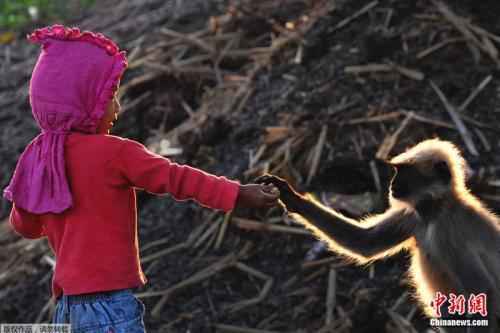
(75, 184)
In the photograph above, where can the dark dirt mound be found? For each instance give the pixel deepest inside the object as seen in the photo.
(283, 75)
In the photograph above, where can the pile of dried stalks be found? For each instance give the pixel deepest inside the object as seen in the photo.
(313, 90)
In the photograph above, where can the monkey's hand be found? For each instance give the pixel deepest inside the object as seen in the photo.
(288, 196)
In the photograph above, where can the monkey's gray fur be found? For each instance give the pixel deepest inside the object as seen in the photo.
(454, 241)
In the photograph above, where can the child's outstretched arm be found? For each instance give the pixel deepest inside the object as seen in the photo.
(257, 195)
(25, 223)
(144, 169)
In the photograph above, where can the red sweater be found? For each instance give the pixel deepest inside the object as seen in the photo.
(95, 242)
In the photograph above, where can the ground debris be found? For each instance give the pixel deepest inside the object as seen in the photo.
(315, 91)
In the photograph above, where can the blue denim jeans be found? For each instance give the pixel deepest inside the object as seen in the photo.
(107, 312)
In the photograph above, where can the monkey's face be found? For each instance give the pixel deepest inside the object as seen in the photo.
(412, 181)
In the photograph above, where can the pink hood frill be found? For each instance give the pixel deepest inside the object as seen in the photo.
(74, 79)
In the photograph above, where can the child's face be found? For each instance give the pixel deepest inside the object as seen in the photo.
(110, 116)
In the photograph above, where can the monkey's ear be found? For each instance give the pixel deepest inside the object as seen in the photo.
(443, 171)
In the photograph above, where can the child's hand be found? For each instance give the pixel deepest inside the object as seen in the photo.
(288, 196)
(258, 196)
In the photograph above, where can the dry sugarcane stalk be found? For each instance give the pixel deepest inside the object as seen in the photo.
(428, 120)
(375, 119)
(375, 175)
(400, 301)
(223, 228)
(474, 122)
(354, 16)
(408, 72)
(45, 278)
(134, 103)
(412, 313)
(482, 32)
(401, 322)
(138, 81)
(196, 121)
(371, 272)
(301, 308)
(288, 283)
(259, 226)
(44, 310)
(167, 327)
(347, 323)
(438, 46)
(164, 252)
(151, 266)
(486, 144)
(51, 261)
(254, 158)
(304, 291)
(236, 329)
(460, 24)
(357, 147)
(266, 322)
(494, 183)
(205, 71)
(190, 61)
(243, 100)
(378, 68)
(310, 264)
(462, 129)
(211, 304)
(210, 230)
(205, 273)
(474, 94)
(491, 197)
(390, 141)
(315, 274)
(344, 201)
(330, 295)
(167, 44)
(285, 161)
(136, 63)
(157, 242)
(211, 240)
(260, 297)
(332, 327)
(276, 133)
(195, 40)
(185, 316)
(316, 154)
(195, 234)
(198, 237)
(283, 149)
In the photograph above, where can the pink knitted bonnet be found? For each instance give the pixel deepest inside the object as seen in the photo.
(74, 79)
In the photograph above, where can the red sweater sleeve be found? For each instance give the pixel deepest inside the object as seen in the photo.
(158, 175)
(25, 223)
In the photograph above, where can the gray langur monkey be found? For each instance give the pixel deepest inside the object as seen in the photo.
(454, 241)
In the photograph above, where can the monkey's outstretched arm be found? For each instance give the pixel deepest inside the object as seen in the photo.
(377, 237)
(370, 240)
